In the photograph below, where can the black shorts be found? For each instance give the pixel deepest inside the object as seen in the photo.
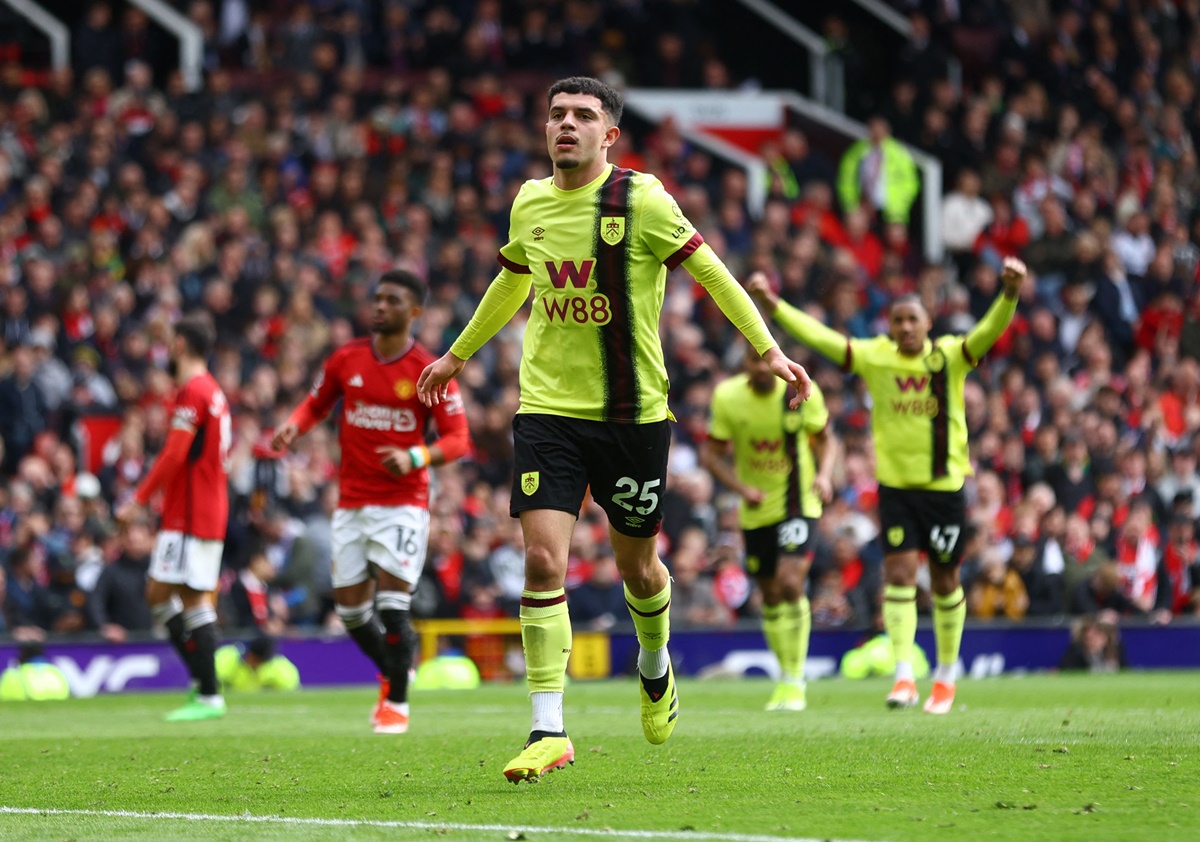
(765, 545)
(556, 459)
(932, 521)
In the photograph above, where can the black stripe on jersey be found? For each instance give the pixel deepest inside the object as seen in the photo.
(622, 397)
(791, 446)
(939, 388)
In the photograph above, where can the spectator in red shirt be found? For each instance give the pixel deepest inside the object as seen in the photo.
(1006, 236)
(861, 242)
(815, 210)
(1179, 570)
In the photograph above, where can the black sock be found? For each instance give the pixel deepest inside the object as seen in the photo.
(399, 643)
(204, 650)
(180, 639)
(369, 638)
(534, 736)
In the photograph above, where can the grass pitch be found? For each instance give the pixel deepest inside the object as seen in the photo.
(1045, 757)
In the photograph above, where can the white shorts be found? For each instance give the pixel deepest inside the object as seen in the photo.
(181, 559)
(393, 538)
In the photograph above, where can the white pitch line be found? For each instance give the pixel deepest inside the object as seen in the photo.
(692, 835)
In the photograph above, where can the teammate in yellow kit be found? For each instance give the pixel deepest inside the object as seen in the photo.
(919, 426)
(782, 489)
(594, 242)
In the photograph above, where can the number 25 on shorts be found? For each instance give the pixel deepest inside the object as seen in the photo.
(628, 487)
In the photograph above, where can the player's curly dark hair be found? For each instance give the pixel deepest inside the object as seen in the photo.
(409, 280)
(610, 98)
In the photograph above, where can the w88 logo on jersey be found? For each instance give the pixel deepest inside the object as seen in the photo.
(578, 309)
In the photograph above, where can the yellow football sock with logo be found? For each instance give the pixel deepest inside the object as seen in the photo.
(798, 616)
(546, 638)
(652, 619)
(900, 621)
(774, 631)
(949, 617)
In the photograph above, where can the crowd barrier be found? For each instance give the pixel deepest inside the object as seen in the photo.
(94, 667)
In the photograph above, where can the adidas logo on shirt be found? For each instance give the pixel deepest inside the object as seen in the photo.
(356, 381)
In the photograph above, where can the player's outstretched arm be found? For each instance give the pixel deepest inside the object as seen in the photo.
(303, 418)
(433, 386)
(825, 341)
(287, 433)
(162, 473)
(500, 303)
(711, 273)
(996, 320)
(790, 372)
(708, 270)
(315, 406)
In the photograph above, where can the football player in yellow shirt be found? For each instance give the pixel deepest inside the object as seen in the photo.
(783, 489)
(594, 242)
(919, 426)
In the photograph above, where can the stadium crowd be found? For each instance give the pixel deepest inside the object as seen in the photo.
(332, 141)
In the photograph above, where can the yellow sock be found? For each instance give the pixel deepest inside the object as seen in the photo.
(900, 620)
(949, 617)
(652, 618)
(773, 630)
(546, 638)
(799, 627)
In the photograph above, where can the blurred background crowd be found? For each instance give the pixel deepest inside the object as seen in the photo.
(334, 139)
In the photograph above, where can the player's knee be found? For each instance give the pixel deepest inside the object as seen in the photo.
(542, 565)
(772, 590)
(943, 579)
(355, 593)
(901, 568)
(790, 591)
(157, 592)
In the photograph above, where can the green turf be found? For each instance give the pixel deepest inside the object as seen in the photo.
(1047, 757)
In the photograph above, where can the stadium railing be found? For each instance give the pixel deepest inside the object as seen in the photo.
(733, 125)
(191, 39)
(54, 29)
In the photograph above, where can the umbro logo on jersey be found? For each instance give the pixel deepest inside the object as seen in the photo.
(355, 381)
(537, 234)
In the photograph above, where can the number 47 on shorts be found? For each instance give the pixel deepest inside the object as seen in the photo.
(943, 540)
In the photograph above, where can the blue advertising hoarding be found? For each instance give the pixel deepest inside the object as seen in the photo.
(99, 667)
